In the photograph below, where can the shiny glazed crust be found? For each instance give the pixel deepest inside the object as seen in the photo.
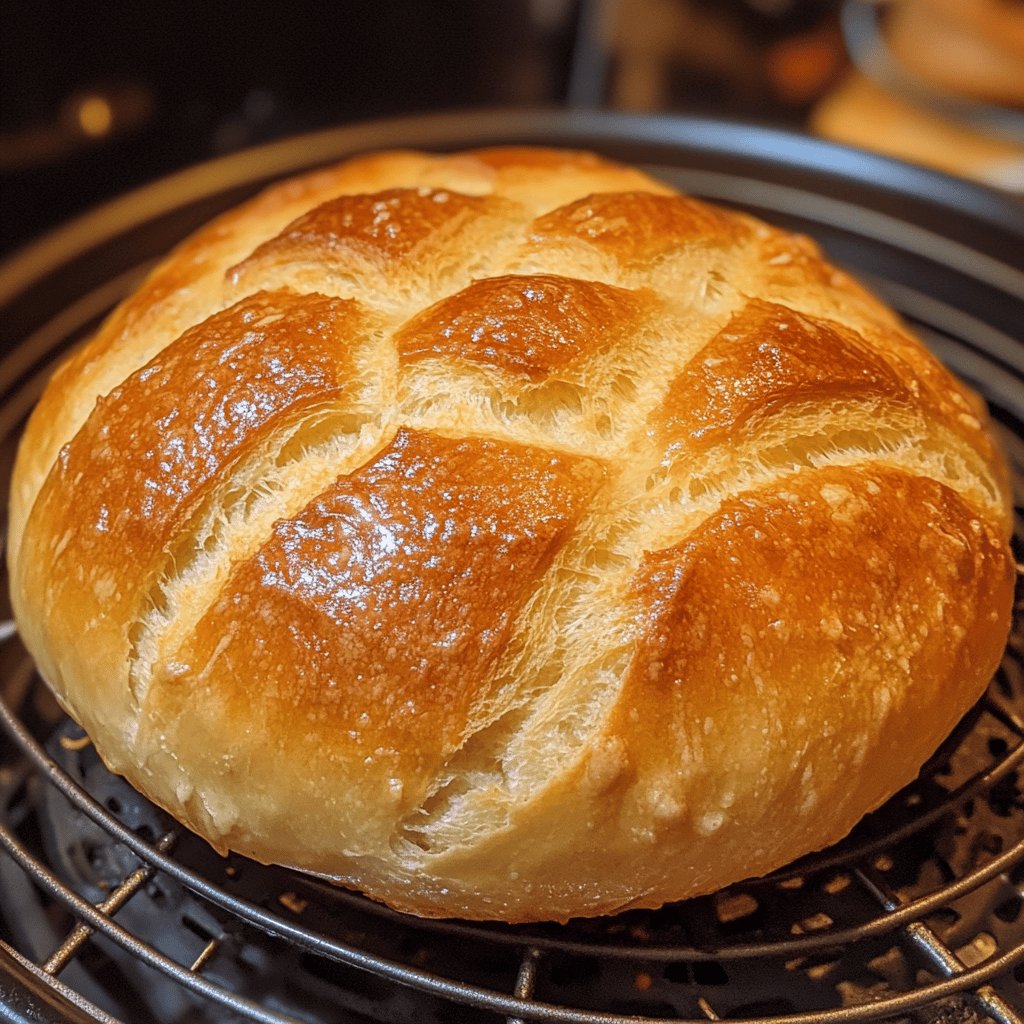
(509, 537)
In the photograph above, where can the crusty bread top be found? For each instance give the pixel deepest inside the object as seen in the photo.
(509, 536)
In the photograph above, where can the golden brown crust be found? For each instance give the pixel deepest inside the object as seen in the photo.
(507, 536)
(156, 447)
(768, 358)
(380, 612)
(209, 396)
(534, 326)
(382, 231)
(637, 227)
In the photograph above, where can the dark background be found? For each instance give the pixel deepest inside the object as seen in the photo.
(96, 98)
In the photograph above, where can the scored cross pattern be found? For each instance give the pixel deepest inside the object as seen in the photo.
(471, 500)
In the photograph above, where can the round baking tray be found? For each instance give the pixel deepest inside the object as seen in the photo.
(919, 913)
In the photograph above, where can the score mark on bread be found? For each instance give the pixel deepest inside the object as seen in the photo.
(507, 536)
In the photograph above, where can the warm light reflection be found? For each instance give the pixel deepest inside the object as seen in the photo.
(95, 116)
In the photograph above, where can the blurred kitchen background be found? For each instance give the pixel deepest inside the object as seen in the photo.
(96, 98)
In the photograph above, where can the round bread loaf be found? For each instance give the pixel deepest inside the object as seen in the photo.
(508, 536)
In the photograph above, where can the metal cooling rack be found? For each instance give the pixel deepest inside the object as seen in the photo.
(109, 910)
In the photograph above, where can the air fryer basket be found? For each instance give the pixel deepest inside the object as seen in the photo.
(109, 910)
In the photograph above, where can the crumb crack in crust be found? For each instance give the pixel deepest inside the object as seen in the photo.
(508, 536)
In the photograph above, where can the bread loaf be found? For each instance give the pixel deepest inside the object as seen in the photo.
(508, 536)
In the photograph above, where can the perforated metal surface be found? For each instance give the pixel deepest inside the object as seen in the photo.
(108, 907)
